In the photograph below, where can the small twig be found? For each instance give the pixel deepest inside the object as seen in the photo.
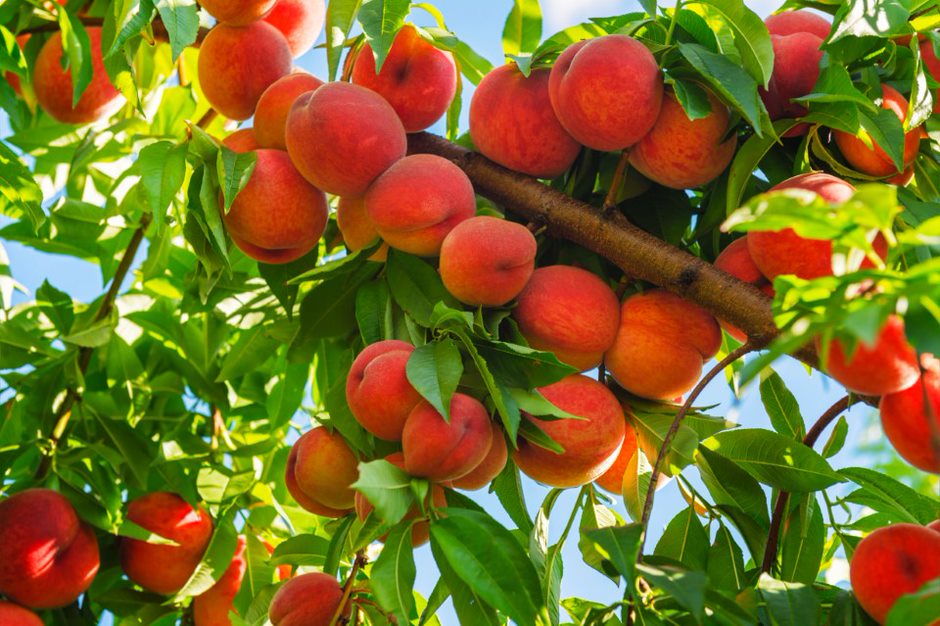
(207, 119)
(732, 356)
(610, 200)
(358, 563)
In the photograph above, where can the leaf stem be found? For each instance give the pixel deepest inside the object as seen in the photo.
(610, 200)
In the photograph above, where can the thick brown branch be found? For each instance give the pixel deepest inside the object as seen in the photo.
(359, 562)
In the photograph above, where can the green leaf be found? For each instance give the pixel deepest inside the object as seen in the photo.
(836, 438)
(387, 488)
(162, 171)
(774, 459)
(20, 195)
(920, 608)
(371, 304)
(886, 131)
(750, 37)
(490, 561)
(76, 51)
(508, 489)
(729, 484)
(307, 549)
(619, 545)
(94, 335)
(726, 563)
(889, 495)
(746, 162)
(234, 170)
(518, 366)
(126, 19)
(523, 28)
(804, 540)
(471, 64)
(782, 407)
(865, 18)
(416, 286)
(181, 18)
(329, 309)
(729, 80)
(434, 370)
(278, 277)
(470, 607)
(685, 540)
(253, 348)
(393, 573)
(636, 484)
(381, 20)
(340, 17)
(217, 558)
(132, 448)
(57, 305)
(789, 604)
(688, 588)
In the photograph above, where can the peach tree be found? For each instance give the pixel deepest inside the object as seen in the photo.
(325, 331)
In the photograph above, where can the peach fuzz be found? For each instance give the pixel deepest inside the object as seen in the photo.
(162, 568)
(612, 479)
(377, 388)
(417, 79)
(237, 12)
(489, 468)
(307, 600)
(237, 63)
(300, 21)
(736, 260)
(890, 562)
(357, 229)
(242, 140)
(792, 22)
(591, 444)
(48, 557)
(211, 608)
(442, 451)
(53, 84)
(278, 216)
(607, 91)
(662, 344)
(418, 201)
(342, 137)
(568, 311)
(906, 420)
(681, 153)
(15, 615)
(325, 468)
(420, 530)
(512, 123)
(875, 161)
(796, 70)
(886, 366)
(487, 261)
(274, 105)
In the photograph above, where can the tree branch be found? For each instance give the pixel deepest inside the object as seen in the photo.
(357, 564)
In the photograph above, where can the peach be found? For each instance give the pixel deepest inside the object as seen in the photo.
(278, 216)
(906, 420)
(420, 530)
(929, 57)
(682, 153)
(440, 450)
(242, 140)
(662, 344)
(211, 607)
(377, 389)
(736, 260)
(591, 444)
(417, 79)
(606, 92)
(796, 70)
(48, 557)
(489, 468)
(325, 467)
(886, 366)
(53, 84)
(357, 229)
(274, 105)
(487, 261)
(300, 496)
(512, 123)
(237, 63)
(875, 161)
(934, 525)
(237, 12)
(890, 562)
(792, 22)
(342, 137)
(612, 479)
(418, 201)
(570, 312)
(15, 615)
(165, 568)
(307, 600)
(300, 21)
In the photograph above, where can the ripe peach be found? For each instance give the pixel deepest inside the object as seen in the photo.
(307, 600)
(48, 557)
(568, 311)
(792, 22)
(357, 229)
(418, 201)
(417, 79)
(681, 153)
(662, 344)
(607, 91)
(612, 479)
(300, 496)
(796, 69)
(237, 12)
(440, 450)
(211, 607)
(237, 63)
(342, 136)
(929, 57)
(300, 21)
(512, 123)
(274, 105)
(53, 84)
(875, 161)
(325, 467)
(887, 366)
(591, 444)
(890, 562)
(164, 568)
(486, 261)
(489, 468)
(906, 420)
(934, 525)
(736, 260)
(421, 530)
(278, 216)
(242, 140)
(377, 389)
(15, 615)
